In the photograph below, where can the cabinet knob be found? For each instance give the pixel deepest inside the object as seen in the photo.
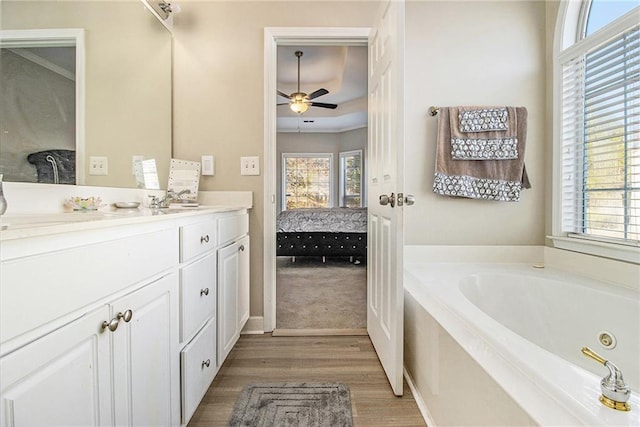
(112, 324)
(204, 239)
(126, 316)
(206, 363)
(204, 291)
(241, 248)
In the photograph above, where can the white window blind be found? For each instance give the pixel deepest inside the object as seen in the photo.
(601, 138)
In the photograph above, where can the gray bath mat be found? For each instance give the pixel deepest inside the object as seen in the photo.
(293, 404)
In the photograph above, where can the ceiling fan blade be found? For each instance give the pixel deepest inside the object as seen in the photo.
(318, 93)
(282, 94)
(323, 105)
(284, 103)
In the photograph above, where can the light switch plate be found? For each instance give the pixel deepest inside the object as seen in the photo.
(250, 165)
(134, 159)
(98, 165)
(208, 165)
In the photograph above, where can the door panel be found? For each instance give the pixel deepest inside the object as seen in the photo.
(384, 281)
(62, 379)
(144, 368)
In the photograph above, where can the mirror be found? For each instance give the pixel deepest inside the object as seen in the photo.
(124, 94)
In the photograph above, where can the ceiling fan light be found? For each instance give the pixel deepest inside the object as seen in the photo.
(298, 106)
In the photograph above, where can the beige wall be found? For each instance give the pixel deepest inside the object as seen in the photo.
(218, 90)
(473, 53)
(463, 52)
(551, 8)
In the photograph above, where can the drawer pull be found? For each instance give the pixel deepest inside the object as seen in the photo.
(204, 239)
(204, 291)
(241, 248)
(112, 324)
(206, 363)
(126, 316)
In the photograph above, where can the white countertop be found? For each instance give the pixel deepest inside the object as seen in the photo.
(19, 226)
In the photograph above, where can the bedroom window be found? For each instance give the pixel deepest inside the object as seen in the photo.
(351, 179)
(598, 131)
(307, 180)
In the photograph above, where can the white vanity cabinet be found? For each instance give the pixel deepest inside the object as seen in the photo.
(233, 282)
(119, 323)
(96, 339)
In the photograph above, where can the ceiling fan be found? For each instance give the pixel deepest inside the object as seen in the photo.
(300, 102)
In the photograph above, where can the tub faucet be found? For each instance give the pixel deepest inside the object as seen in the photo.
(615, 393)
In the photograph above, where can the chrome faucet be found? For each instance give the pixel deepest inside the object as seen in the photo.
(615, 392)
(157, 203)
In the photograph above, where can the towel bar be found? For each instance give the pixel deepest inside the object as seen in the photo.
(433, 111)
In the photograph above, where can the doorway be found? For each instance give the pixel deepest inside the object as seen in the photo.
(385, 41)
(299, 38)
(321, 223)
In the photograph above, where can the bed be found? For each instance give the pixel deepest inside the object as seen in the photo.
(322, 232)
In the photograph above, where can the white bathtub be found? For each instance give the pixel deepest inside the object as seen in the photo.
(525, 327)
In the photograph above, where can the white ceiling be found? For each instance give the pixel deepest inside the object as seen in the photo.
(342, 70)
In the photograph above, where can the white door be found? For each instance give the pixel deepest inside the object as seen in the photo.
(228, 333)
(243, 282)
(386, 157)
(62, 379)
(145, 357)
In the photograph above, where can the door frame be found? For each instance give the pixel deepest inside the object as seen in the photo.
(273, 37)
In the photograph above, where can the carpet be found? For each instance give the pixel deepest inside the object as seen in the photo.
(293, 404)
(316, 295)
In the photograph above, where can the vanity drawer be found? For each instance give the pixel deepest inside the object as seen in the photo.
(232, 227)
(198, 368)
(197, 295)
(197, 238)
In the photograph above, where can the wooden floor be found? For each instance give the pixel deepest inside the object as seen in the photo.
(350, 360)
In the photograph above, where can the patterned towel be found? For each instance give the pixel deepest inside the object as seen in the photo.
(479, 179)
(483, 133)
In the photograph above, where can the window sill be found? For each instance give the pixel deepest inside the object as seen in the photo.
(626, 253)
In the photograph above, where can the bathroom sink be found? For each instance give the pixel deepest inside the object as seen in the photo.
(12, 222)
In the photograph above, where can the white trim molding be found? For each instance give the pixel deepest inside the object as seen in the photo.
(71, 37)
(566, 43)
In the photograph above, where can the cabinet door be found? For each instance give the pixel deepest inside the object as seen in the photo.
(62, 379)
(243, 282)
(145, 356)
(228, 332)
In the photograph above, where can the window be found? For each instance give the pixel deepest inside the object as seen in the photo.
(351, 179)
(598, 102)
(307, 180)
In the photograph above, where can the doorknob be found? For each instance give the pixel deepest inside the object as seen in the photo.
(409, 199)
(388, 200)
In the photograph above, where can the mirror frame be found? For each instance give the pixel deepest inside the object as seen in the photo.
(59, 38)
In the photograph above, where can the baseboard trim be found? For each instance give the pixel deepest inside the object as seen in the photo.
(254, 326)
(317, 332)
(422, 406)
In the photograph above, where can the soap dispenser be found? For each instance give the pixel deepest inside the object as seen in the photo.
(3, 201)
